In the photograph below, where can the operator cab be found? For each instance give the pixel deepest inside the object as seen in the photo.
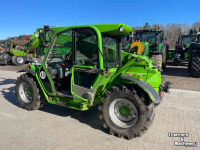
(83, 53)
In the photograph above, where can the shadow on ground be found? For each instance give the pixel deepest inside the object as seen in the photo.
(8, 93)
(179, 71)
(89, 117)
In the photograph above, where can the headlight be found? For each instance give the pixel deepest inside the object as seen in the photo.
(121, 29)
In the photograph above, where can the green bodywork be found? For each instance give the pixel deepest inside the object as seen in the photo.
(142, 70)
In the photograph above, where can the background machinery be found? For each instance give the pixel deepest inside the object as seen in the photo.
(18, 52)
(194, 57)
(182, 47)
(153, 41)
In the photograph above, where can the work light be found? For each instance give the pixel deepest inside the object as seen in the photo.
(121, 29)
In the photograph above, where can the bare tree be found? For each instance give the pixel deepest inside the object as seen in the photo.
(196, 26)
(185, 28)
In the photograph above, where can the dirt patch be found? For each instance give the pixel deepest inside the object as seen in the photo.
(12, 67)
(180, 78)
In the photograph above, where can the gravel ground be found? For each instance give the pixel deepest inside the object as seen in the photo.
(58, 128)
(12, 67)
(177, 75)
(180, 78)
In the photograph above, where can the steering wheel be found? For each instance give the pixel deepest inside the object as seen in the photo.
(92, 59)
(68, 56)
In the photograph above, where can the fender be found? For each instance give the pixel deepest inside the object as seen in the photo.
(147, 87)
(27, 70)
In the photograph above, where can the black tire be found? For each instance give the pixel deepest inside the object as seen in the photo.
(193, 46)
(164, 50)
(157, 60)
(164, 61)
(38, 98)
(177, 59)
(189, 63)
(195, 65)
(145, 112)
(18, 60)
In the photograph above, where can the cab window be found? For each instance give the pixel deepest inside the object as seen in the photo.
(109, 51)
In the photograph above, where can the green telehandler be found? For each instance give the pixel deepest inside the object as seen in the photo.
(181, 52)
(194, 57)
(18, 52)
(153, 41)
(92, 68)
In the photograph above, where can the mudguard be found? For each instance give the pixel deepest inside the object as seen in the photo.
(27, 70)
(147, 87)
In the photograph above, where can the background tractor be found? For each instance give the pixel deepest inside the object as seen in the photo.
(93, 69)
(194, 57)
(153, 41)
(182, 47)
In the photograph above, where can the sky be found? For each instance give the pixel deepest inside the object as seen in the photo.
(19, 17)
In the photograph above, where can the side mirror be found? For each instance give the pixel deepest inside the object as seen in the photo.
(177, 42)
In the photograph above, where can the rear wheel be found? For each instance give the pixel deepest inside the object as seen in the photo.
(164, 61)
(124, 113)
(177, 59)
(189, 63)
(28, 93)
(157, 61)
(195, 65)
(18, 60)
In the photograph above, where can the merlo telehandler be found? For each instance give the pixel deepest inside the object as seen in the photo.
(94, 70)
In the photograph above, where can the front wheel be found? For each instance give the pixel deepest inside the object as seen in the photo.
(195, 65)
(124, 113)
(18, 60)
(177, 59)
(28, 94)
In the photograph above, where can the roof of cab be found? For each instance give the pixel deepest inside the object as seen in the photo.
(107, 29)
(149, 30)
(113, 29)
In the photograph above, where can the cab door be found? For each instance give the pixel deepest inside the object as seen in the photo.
(61, 46)
(89, 75)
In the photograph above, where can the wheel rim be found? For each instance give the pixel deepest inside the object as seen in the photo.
(20, 60)
(123, 113)
(25, 92)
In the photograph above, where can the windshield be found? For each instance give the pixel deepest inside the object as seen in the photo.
(188, 39)
(61, 48)
(109, 51)
(146, 36)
